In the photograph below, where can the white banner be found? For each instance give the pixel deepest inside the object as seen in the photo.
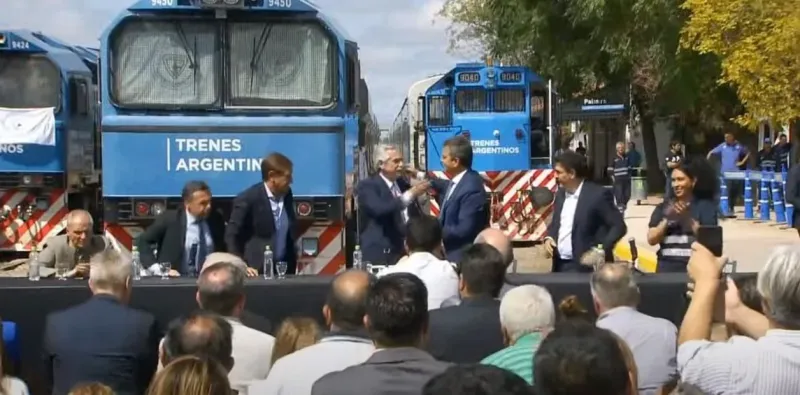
(28, 126)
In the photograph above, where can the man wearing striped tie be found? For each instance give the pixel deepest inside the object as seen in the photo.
(385, 202)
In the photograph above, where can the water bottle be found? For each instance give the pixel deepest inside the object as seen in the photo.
(34, 266)
(268, 263)
(357, 261)
(136, 266)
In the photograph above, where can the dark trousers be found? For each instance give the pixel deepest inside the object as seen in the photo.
(735, 190)
(569, 265)
(668, 193)
(622, 192)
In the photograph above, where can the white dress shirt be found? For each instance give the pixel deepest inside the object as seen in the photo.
(567, 220)
(453, 183)
(439, 276)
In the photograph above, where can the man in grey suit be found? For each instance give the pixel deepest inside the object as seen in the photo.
(397, 321)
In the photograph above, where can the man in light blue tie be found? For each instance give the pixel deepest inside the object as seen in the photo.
(463, 204)
(262, 215)
(185, 236)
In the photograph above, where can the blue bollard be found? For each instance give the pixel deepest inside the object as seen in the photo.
(763, 196)
(723, 196)
(789, 206)
(780, 214)
(748, 196)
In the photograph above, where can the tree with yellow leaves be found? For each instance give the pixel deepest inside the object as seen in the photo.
(758, 43)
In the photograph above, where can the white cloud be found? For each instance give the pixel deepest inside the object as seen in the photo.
(401, 41)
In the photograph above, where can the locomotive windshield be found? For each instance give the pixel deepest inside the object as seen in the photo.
(28, 81)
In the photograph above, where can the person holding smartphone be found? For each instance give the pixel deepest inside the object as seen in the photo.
(675, 222)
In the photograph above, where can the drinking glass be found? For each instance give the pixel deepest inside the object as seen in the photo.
(281, 267)
(165, 269)
(61, 270)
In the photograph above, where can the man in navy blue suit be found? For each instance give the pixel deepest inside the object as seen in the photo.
(386, 201)
(462, 198)
(102, 340)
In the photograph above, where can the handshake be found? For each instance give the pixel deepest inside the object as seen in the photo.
(419, 185)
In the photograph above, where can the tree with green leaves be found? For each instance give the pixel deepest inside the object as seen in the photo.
(588, 45)
(758, 43)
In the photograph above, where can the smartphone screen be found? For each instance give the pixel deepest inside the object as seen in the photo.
(711, 238)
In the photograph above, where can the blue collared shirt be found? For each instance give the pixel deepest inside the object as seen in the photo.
(193, 238)
(730, 155)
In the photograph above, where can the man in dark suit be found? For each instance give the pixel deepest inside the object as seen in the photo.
(793, 194)
(397, 321)
(263, 215)
(462, 199)
(469, 332)
(102, 340)
(185, 237)
(584, 217)
(386, 202)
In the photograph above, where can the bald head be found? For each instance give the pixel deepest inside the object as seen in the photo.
(76, 217)
(346, 303)
(613, 285)
(220, 289)
(203, 334)
(497, 239)
(79, 227)
(220, 257)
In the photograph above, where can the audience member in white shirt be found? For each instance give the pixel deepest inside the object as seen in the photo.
(424, 245)
(346, 344)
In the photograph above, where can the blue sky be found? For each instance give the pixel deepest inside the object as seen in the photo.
(401, 41)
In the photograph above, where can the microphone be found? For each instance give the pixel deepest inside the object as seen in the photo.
(634, 254)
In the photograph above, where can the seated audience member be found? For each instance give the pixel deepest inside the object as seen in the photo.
(397, 320)
(91, 389)
(747, 284)
(595, 361)
(102, 340)
(477, 380)
(674, 222)
(424, 245)
(347, 344)
(469, 332)
(295, 333)
(652, 340)
(497, 239)
(220, 290)
(526, 315)
(191, 375)
(184, 237)
(571, 308)
(765, 362)
(248, 318)
(9, 385)
(75, 248)
(630, 364)
(202, 334)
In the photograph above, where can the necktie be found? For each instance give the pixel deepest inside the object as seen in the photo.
(395, 190)
(449, 191)
(202, 246)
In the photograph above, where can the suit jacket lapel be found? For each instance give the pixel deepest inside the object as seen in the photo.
(182, 223)
(454, 193)
(560, 196)
(580, 207)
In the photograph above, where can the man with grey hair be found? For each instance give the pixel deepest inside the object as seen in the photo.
(220, 289)
(386, 201)
(764, 361)
(526, 315)
(102, 340)
(74, 249)
(248, 318)
(651, 340)
(621, 170)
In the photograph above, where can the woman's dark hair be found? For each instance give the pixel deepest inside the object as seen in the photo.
(706, 181)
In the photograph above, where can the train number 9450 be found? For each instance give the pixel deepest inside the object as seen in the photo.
(280, 3)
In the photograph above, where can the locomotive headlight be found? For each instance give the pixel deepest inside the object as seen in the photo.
(27, 180)
(156, 209)
(231, 2)
(210, 2)
(2, 39)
